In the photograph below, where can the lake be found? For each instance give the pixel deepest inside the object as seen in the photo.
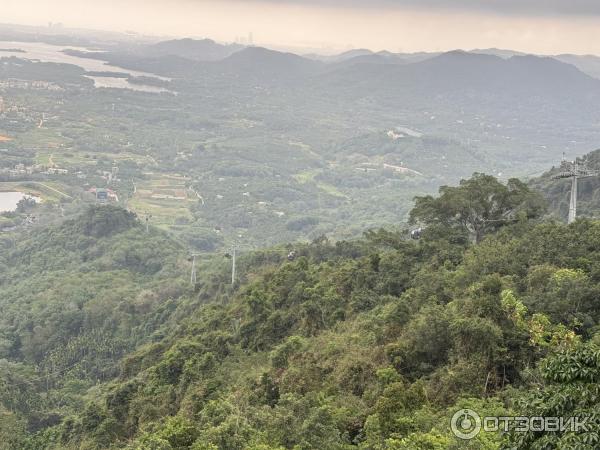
(9, 200)
(39, 51)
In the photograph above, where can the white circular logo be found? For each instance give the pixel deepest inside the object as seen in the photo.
(465, 424)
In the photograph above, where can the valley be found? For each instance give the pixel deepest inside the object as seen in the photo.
(269, 141)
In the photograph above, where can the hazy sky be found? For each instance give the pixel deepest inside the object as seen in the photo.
(542, 26)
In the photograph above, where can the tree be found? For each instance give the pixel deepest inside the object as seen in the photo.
(12, 430)
(479, 205)
(571, 390)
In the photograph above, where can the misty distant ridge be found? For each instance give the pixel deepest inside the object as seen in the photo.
(171, 55)
(502, 75)
(206, 50)
(516, 73)
(194, 49)
(251, 57)
(342, 56)
(502, 53)
(589, 64)
(470, 80)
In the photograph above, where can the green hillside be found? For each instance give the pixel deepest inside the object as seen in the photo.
(372, 343)
(74, 299)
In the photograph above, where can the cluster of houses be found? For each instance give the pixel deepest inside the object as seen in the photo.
(20, 170)
(15, 83)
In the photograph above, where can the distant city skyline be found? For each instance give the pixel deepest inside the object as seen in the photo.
(534, 26)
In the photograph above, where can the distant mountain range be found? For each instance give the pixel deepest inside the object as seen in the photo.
(470, 79)
(477, 67)
(479, 95)
(496, 108)
(207, 50)
(196, 50)
(269, 63)
(588, 63)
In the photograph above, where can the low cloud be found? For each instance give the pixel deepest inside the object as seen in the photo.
(536, 26)
(507, 7)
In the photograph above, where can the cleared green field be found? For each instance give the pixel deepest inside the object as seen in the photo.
(41, 138)
(308, 176)
(166, 198)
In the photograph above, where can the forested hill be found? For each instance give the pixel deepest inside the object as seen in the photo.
(372, 344)
(74, 298)
(557, 192)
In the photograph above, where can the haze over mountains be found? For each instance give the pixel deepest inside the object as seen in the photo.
(508, 88)
(196, 50)
(209, 50)
(282, 146)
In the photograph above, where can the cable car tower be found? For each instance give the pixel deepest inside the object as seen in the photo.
(574, 170)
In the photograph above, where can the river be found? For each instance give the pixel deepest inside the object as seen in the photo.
(39, 51)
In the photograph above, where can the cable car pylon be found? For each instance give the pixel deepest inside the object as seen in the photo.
(574, 170)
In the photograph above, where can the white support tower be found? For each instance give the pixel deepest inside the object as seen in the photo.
(193, 273)
(573, 202)
(233, 266)
(574, 170)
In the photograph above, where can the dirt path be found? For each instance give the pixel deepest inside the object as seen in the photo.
(50, 187)
(197, 194)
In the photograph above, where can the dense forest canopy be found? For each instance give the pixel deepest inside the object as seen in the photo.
(479, 205)
(373, 343)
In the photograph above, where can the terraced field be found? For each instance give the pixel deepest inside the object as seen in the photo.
(165, 197)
